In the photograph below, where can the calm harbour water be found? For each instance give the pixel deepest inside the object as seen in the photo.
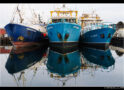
(47, 68)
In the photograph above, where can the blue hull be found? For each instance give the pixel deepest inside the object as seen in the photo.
(102, 36)
(63, 64)
(63, 32)
(15, 31)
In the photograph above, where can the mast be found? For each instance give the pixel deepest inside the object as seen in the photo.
(21, 19)
(17, 10)
(39, 17)
(14, 12)
(63, 5)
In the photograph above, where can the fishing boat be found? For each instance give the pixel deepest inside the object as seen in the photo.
(63, 29)
(26, 32)
(96, 33)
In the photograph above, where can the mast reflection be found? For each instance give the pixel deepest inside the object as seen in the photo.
(22, 60)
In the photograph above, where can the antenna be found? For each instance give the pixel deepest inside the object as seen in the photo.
(63, 5)
(75, 7)
(93, 11)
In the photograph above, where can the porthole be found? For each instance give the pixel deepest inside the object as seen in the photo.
(102, 36)
(109, 35)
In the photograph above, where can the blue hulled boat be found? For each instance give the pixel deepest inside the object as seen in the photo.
(63, 31)
(96, 33)
(24, 32)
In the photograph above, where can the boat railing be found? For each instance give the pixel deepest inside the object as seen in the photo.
(98, 26)
(109, 25)
(64, 20)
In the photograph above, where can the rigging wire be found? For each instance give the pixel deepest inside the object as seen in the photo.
(15, 80)
(14, 13)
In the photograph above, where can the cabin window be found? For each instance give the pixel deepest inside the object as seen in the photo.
(59, 20)
(74, 20)
(67, 20)
(64, 20)
(54, 20)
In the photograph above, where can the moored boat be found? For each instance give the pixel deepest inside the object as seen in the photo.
(96, 33)
(25, 34)
(64, 30)
(21, 35)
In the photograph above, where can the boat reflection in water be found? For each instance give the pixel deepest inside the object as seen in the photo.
(101, 59)
(62, 67)
(19, 62)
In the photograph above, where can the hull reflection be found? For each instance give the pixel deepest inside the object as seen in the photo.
(98, 57)
(63, 64)
(63, 67)
(21, 59)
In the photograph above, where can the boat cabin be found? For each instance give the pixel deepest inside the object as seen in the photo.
(63, 15)
(89, 20)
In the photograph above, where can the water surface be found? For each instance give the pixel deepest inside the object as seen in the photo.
(47, 68)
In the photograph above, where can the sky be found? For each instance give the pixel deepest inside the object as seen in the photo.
(108, 12)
